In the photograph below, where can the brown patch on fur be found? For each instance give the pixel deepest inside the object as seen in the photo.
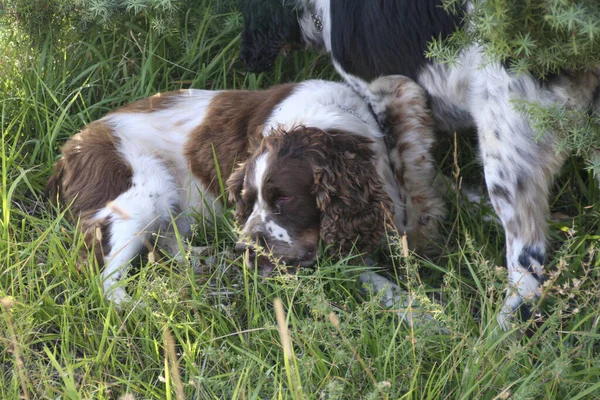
(90, 173)
(290, 174)
(232, 126)
(158, 102)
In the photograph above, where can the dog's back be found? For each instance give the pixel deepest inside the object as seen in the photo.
(378, 38)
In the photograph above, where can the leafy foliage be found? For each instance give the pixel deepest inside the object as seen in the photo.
(540, 37)
(578, 131)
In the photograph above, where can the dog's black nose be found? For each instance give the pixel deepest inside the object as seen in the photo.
(240, 248)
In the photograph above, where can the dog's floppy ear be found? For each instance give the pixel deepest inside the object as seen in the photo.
(269, 25)
(349, 193)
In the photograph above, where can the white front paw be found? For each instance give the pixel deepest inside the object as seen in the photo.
(506, 314)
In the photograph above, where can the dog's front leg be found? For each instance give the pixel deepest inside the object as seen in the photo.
(519, 167)
(394, 297)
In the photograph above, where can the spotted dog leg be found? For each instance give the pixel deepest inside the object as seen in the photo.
(401, 107)
(518, 171)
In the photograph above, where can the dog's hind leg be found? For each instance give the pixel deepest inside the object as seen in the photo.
(519, 168)
(133, 216)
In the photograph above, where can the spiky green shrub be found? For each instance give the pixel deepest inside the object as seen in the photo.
(540, 37)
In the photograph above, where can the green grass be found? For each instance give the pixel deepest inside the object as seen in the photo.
(217, 330)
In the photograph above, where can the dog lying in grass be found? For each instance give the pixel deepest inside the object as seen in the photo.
(303, 163)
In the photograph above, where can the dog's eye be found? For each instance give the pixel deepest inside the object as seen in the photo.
(280, 201)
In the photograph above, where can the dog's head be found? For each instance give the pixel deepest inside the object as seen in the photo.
(304, 185)
(269, 26)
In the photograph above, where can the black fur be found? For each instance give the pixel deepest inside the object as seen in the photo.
(371, 38)
(269, 25)
(501, 192)
(531, 253)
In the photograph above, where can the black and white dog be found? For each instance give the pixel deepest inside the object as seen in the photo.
(370, 38)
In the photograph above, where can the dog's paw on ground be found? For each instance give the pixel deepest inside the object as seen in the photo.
(394, 297)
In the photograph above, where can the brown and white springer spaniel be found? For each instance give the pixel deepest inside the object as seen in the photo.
(303, 162)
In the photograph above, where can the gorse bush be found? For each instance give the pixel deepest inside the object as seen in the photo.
(579, 132)
(540, 37)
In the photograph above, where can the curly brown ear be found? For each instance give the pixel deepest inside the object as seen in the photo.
(235, 184)
(350, 195)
